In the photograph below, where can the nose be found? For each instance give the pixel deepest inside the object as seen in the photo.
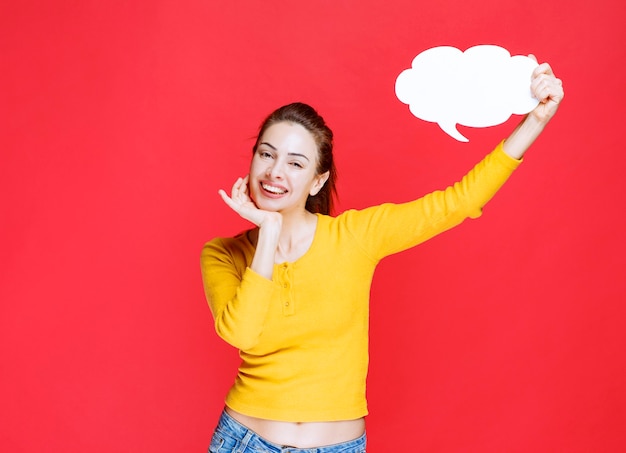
(275, 171)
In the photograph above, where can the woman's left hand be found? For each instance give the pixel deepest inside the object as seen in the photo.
(548, 90)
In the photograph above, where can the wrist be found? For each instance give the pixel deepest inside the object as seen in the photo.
(523, 136)
(270, 228)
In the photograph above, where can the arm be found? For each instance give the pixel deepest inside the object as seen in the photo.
(549, 91)
(390, 228)
(238, 297)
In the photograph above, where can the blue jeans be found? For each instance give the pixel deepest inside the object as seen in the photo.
(232, 437)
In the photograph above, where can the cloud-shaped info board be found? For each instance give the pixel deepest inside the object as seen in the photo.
(480, 87)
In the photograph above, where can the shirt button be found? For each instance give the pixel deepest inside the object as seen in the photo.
(287, 304)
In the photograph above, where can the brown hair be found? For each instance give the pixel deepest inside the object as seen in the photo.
(307, 117)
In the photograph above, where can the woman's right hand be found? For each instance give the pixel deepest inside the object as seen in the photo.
(240, 202)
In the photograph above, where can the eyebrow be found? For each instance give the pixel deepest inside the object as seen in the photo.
(289, 154)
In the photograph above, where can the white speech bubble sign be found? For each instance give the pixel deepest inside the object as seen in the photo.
(480, 87)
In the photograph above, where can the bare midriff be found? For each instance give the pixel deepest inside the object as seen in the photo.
(302, 435)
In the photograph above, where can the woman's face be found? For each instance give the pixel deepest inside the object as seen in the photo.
(283, 172)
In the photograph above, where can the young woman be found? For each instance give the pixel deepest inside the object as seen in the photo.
(292, 294)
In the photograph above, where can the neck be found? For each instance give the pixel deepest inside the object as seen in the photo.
(296, 235)
(296, 220)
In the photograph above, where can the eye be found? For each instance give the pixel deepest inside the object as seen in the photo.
(264, 154)
(297, 164)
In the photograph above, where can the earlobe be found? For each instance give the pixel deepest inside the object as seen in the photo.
(318, 183)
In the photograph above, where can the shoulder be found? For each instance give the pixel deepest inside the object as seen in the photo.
(360, 215)
(236, 247)
(356, 222)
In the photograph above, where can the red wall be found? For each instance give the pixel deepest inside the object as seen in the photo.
(120, 121)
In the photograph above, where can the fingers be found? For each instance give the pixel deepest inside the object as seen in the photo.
(241, 184)
(545, 86)
(229, 201)
(543, 68)
(236, 189)
(239, 191)
(238, 195)
(548, 90)
(244, 183)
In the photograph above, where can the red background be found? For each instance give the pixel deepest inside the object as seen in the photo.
(120, 121)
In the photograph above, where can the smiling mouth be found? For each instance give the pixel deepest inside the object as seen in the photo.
(273, 189)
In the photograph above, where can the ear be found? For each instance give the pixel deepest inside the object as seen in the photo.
(318, 183)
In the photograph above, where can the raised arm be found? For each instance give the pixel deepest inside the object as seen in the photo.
(549, 91)
(400, 226)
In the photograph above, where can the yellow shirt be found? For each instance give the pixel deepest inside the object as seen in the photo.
(303, 336)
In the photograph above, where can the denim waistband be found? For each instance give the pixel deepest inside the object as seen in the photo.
(252, 442)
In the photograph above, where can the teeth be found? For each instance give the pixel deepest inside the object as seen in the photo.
(273, 189)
